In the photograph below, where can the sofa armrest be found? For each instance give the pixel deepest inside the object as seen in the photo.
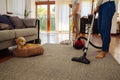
(33, 23)
(30, 22)
(38, 27)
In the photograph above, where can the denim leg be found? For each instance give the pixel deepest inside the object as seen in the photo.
(105, 26)
(99, 20)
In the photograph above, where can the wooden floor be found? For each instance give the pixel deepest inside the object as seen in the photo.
(56, 38)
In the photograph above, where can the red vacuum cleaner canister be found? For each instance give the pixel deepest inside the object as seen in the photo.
(78, 43)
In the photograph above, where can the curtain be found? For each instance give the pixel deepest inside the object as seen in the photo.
(119, 7)
(86, 6)
(3, 5)
(30, 8)
(62, 15)
(16, 7)
(63, 11)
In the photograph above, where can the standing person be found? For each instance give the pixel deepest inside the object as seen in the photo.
(76, 15)
(106, 10)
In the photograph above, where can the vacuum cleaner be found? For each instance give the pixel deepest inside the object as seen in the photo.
(83, 59)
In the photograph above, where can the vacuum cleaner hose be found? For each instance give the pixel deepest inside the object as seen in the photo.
(98, 47)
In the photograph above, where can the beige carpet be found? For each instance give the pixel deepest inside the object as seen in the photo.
(56, 64)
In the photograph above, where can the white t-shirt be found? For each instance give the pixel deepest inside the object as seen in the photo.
(74, 3)
(100, 2)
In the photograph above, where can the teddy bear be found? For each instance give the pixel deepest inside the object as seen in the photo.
(24, 49)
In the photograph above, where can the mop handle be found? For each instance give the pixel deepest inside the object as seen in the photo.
(89, 33)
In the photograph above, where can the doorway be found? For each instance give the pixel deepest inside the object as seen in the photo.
(45, 11)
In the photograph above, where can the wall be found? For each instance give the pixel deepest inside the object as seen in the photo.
(30, 6)
(114, 21)
(2, 6)
(17, 7)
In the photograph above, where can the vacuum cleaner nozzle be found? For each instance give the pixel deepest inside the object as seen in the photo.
(81, 59)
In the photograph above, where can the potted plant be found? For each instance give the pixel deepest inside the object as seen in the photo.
(26, 13)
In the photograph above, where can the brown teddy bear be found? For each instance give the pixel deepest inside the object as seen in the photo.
(27, 49)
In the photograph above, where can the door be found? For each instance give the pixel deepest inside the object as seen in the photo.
(46, 14)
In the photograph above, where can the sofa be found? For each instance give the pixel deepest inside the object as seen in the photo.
(16, 27)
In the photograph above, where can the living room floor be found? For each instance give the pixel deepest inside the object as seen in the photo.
(56, 38)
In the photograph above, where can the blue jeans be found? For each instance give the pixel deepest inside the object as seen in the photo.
(106, 12)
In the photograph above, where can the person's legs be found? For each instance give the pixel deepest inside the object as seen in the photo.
(107, 14)
(99, 23)
(99, 20)
(76, 21)
(74, 30)
(105, 35)
(106, 26)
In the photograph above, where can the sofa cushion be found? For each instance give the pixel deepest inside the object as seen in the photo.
(29, 22)
(25, 32)
(6, 20)
(4, 26)
(17, 22)
(7, 35)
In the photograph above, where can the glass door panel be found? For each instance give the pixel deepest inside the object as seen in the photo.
(42, 15)
(52, 18)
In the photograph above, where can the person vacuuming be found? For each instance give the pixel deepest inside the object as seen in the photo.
(76, 16)
(106, 10)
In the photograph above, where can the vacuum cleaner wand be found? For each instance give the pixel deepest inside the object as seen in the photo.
(83, 58)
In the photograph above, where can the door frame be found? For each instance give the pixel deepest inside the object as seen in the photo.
(48, 3)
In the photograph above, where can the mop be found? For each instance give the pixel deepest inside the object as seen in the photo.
(67, 42)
